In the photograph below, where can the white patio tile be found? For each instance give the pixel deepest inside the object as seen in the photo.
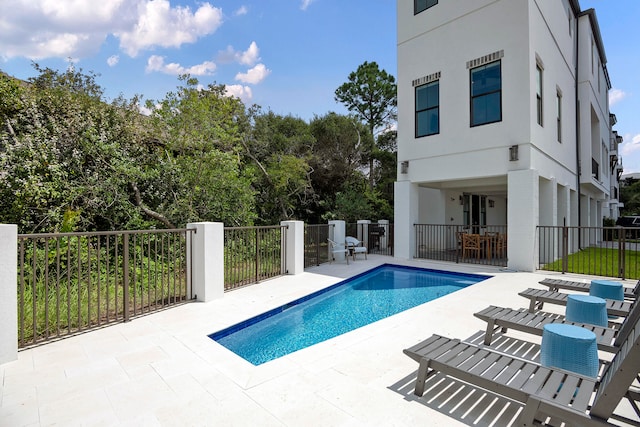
(162, 369)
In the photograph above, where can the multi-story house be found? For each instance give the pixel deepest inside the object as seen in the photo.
(503, 120)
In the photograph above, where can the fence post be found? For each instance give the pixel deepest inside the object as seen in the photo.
(205, 254)
(125, 276)
(8, 293)
(363, 231)
(337, 234)
(294, 243)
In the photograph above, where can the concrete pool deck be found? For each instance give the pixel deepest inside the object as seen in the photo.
(162, 369)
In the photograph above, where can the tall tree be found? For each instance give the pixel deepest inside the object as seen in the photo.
(278, 151)
(371, 93)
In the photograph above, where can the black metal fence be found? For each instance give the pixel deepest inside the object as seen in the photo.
(72, 282)
(378, 238)
(459, 243)
(600, 251)
(253, 254)
(316, 248)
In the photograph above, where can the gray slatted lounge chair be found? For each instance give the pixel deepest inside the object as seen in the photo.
(558, 284)
(546, 392)
(540, 296)
(498, 318)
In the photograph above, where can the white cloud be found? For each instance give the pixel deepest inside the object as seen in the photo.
(156, 63)
(305, 4)
(241, 11)
(616, 95)
(113, 60)
(248, 57)
(243, 92)
(630, 144)
(255, 75)
(77, 28)
(161, 25)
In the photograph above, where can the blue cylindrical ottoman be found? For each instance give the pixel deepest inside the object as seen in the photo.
(587, 309)
(569, 347)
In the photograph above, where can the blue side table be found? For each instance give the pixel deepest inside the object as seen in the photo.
(587, 309)
(569, 347)
(607, 289)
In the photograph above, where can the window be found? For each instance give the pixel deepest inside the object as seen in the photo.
(539, 94)
(559, 115)
(422, 5)
(486, 94)
(428, 109)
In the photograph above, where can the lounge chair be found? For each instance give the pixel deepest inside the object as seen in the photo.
(540, 296)
(338, 248)
(557, 284)
(546, 392)
(356, 247)
(609, 339)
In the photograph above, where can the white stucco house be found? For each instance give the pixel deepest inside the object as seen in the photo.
(503, 119)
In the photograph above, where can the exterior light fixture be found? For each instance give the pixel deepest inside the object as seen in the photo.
(513, 153)
(404, 167)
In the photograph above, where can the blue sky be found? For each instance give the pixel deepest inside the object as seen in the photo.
(285, 55)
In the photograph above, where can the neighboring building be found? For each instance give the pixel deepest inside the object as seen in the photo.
(503, 118)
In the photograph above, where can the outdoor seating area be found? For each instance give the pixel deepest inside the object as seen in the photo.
(349, 249)
(566, 382)
(487, 245)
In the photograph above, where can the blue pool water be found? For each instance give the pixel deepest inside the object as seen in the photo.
(343, 307)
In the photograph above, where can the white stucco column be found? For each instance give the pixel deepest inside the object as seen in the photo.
(406, 212)
(363, 231)
(8, 293)
(522, 219)
(384, 240)
(294, 259)
(205, 250)
(337, 234)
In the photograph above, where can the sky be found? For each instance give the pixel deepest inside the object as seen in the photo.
(288, 56)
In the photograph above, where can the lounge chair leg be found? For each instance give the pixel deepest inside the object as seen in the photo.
(423, 372)
(528, 414)
(488, 335)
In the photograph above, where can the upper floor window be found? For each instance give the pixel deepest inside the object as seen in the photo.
(539, 112)
(422, 5)
(559, 114)
(486, 94)
(428, 109)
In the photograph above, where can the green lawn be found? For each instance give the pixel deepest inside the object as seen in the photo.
(599, 262)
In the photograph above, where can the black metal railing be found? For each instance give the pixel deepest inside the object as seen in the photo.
(377, 237)
(253, 254)
(447, 243)
(72, 282)
(600, 251)
(316, 248)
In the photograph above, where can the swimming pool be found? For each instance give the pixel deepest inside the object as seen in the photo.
(378, 293)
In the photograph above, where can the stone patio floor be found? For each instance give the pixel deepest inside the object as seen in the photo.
(163, 370)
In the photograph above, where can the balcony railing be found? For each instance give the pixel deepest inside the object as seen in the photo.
(446, 243)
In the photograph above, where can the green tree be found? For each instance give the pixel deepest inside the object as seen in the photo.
(60, 144)
(278, 151)
(198, 173)
(338, 157)
(370, 93)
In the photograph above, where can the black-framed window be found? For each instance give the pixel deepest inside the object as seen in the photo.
(486, 94)
(539, 111)
(422, 5)
(428, 109)
(559, 115)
